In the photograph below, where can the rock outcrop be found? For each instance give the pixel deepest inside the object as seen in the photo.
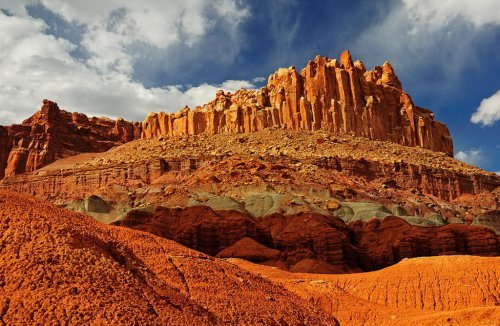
(382, 243)
(51, 134)
(196, 227)
(339, 97)
(302, 238)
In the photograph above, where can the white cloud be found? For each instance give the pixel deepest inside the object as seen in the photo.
(35, 65)
(114, 26)
(472, 157)
(488, 111)
(435, 14)
(259, 79)
(497, 173)
(429, 38)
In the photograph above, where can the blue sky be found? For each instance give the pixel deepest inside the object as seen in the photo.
(127, 58)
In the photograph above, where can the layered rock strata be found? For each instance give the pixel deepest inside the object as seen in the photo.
(141, 176)
(361, 245)
(337, 96)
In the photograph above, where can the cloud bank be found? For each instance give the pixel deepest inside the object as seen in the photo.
(99, 79)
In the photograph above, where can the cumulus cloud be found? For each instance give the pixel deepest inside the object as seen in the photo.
(36, 64)
(472, 157)
(114, 27)
(488, 111)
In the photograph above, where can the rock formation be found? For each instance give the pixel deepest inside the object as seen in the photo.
(51, 134)
(339, 97)
(382, 243)
(197, 227)
(361, 245)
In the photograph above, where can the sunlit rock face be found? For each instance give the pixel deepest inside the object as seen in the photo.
(52, 133)
(340, 97)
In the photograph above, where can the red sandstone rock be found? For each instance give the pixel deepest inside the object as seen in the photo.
(197, 227)
(340, 97)
(51, 134)
(381, 243)
(311, 237)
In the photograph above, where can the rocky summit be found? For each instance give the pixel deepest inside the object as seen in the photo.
(51, 134)
(311, 201)
(341, 97)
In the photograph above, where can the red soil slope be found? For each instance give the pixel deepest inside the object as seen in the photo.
(452, 290)
(59, 267)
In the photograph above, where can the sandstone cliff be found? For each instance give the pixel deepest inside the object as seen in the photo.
(51, 134)
(340, 97)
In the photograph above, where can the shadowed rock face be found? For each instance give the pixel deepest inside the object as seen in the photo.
(51, 134)
(340, 97)
(286, 241)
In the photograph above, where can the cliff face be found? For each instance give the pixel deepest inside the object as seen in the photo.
(360, 245)
(51, 134)
(340, 97)
(381, 243)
